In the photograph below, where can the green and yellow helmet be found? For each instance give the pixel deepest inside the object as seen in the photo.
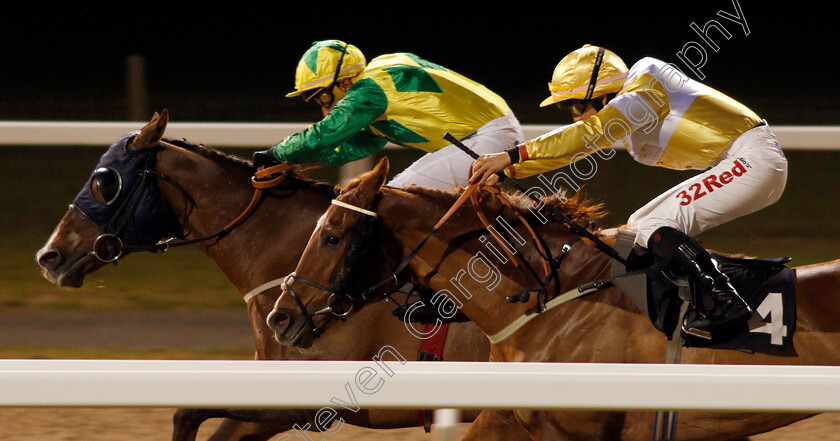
(586, 73)
(317, 68)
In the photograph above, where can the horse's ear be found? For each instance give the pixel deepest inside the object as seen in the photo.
(372, 181)
(152, 132)
(381, 171)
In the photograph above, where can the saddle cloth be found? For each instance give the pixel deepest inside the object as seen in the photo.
(767, 285)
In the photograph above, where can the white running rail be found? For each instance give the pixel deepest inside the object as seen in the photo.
(418, 385)
(263, 135)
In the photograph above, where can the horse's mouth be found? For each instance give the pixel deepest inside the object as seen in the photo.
(299, 338)
(72, 273)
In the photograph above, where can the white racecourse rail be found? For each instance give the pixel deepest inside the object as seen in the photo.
(263, 135)
(418, 385)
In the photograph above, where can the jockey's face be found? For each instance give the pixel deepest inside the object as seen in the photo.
(581, 109)
(338, 93)
(584, 113)
(327, 97)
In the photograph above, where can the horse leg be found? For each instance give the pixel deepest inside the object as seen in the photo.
(239, 424)
(235, 430)
(186, 422)
(497, 425)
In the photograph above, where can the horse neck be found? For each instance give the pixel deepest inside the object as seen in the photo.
(268, 244)
(457, 263)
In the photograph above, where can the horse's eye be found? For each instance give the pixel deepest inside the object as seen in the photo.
(105, 185)
(332, 240)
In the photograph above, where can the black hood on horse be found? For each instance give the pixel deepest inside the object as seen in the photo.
(122, 198)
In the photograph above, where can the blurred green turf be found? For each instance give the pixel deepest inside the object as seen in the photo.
(39, 183)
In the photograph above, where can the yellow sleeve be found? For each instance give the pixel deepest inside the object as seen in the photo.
(561, 147)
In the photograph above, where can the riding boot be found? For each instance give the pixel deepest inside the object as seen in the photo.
(716, 307)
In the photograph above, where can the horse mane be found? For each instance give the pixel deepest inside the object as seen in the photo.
(297, 173)
(210, 153)
(578, 207)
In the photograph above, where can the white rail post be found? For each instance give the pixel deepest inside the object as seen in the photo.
(446, 424)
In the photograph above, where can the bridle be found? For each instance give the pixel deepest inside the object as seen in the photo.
(109, 246)
(550, 264)
(346, 299)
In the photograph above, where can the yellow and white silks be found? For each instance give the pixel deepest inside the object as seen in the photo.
(666, 119)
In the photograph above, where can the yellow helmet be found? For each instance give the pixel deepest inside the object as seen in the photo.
(326, 61)
(586, 73)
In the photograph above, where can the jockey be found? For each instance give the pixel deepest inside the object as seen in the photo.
(398, 98)
(663, 119)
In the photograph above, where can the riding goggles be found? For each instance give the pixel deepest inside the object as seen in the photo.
(325, 97)
(577, 107)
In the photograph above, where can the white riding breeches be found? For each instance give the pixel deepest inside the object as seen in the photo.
(449, 167)
(751, 175)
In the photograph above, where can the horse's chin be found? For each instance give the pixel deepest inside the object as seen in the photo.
(302, 338)
(312, 352)
(72, 274)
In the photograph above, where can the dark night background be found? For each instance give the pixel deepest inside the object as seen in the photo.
(235, 63)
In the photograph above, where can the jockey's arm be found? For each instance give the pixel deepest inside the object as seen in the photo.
(360, 145)
(342, 135)
(561, 147)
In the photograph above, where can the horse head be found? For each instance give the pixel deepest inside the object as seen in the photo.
(118, 208)
(339, 254)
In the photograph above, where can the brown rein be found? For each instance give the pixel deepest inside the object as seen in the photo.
(502, 197)
(549, 263)
(259, 185)
(261, 181)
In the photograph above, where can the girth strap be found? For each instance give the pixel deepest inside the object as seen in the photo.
(569, 295)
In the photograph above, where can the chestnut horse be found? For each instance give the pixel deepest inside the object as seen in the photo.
(200, 191)
(603, 327)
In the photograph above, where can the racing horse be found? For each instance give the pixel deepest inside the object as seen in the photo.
(195, 192)
(453, 258)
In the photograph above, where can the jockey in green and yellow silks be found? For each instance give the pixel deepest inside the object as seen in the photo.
(398, 98)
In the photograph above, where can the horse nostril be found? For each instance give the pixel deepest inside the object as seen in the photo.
(279, 321)
(50, 259)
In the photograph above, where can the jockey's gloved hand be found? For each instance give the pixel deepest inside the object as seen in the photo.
(263, 158)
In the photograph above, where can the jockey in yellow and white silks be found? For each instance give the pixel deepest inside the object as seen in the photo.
(664, 119)
(398, 98)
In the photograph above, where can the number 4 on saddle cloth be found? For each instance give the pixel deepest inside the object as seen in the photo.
(767, 285)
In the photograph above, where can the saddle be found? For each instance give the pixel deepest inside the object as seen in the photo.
(767, 285)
